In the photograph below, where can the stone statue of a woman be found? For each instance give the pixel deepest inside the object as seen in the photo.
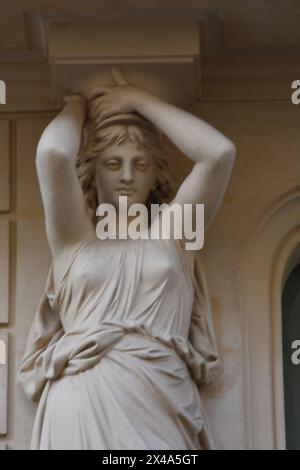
(123, 335)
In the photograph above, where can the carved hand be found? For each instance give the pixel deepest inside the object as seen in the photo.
(122, 98)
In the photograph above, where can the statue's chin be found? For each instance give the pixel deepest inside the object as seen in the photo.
(131, 199)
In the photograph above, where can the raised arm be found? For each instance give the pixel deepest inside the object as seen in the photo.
(66, 219)
(212, 152)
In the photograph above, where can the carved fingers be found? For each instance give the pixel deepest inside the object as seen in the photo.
(106, 101)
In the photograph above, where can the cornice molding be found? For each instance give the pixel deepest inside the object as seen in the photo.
(215, 72)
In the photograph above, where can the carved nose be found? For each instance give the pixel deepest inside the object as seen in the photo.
(126, 176)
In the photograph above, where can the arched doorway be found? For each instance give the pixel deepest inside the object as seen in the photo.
(272, 254)
(291, 366)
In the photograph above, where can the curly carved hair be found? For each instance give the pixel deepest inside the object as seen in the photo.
(163, 190)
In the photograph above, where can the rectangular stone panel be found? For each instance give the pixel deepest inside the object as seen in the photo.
(4, 271)
(4, 165)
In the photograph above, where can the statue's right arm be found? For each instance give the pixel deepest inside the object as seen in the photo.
(67, 221)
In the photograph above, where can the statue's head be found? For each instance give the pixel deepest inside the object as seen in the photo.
(124, 156)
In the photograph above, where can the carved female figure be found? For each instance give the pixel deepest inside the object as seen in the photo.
(123, 335)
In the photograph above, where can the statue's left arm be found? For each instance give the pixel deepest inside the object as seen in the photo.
(212, 152)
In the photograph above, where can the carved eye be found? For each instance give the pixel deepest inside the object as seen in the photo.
(112, 164)
(141, 165)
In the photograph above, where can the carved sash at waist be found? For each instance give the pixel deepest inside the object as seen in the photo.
(71, 352)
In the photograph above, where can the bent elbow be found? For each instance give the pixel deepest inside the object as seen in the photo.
(231, 150)
(223, 160)
(226, 156)
(228, 152)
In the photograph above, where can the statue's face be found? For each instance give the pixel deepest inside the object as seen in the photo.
(127, 169)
